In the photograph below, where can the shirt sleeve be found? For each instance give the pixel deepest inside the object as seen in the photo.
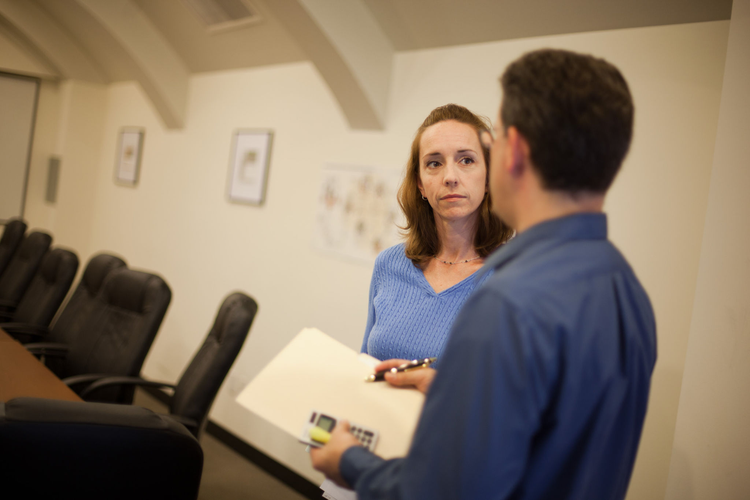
(480, 416)
(371, 305)
(357, 462)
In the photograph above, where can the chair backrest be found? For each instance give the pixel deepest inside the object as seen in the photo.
(80, 306)
(12, 236)
(48, 288)
(199, 383)
(24, 264)
(66, 449)
(117, 336)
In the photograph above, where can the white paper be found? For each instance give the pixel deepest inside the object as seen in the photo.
(332, 491)
(314, 371)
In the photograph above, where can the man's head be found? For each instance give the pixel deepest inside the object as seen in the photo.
(573, 114)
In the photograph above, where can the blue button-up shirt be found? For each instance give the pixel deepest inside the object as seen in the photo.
(543, 388)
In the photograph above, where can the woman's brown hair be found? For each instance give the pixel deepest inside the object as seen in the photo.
(422, 241)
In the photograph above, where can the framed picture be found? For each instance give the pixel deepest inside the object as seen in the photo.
(129, 152)
(248, 166)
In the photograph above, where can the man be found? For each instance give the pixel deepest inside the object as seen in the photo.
(544, 384)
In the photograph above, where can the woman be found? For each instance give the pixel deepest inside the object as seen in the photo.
(419, 286)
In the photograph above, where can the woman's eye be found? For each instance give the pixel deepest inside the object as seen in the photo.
(432, 164)
(466, 160)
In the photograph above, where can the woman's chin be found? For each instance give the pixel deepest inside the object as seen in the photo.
(456, 215)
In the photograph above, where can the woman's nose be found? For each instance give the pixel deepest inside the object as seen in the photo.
(451, 175)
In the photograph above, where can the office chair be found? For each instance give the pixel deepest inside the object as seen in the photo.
(195, 391)
(21, 269)
(115, 336)
(46, 292)
(12, 237)
(94, 451)
(71, 320)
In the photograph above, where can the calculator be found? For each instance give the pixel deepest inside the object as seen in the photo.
(318, 427)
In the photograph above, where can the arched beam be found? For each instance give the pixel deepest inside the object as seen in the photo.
(49, 43)
(349, 49)
(156, 66)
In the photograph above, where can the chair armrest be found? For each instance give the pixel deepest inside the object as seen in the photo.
(48, 349)
(25, 329)
(8, 306)
(110, 381)
(84, 379)
(189, 423)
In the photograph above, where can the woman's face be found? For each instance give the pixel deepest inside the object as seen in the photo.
(452, 172)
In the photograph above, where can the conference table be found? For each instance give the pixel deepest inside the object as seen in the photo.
(21, 374)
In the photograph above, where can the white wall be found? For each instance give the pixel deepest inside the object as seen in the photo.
(18, 98)
(712, 439)
(69, 125)
(178, 222)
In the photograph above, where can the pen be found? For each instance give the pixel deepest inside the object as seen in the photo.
(411, 365)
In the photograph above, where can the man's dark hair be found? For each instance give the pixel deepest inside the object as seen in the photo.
(576, 113)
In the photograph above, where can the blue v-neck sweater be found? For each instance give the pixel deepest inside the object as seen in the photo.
(406, 318)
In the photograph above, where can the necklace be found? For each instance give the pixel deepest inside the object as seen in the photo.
(457, 262)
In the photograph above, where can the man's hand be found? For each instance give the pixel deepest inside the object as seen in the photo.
(326, 459)
(421, 378)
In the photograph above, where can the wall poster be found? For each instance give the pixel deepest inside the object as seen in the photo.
(129, 155)
(248, 167)
(358, 215)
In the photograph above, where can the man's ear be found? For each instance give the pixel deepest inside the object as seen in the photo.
(517, 151)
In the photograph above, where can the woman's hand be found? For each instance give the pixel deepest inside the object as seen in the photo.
(421, 379)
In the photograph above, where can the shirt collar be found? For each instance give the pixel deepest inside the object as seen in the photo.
(583, 226)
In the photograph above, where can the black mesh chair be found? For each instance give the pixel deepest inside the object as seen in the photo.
(22, 268)
(115, 336)
(46, 292)
(12, 237)
(195, 392)
(87, 451)
(77, 310)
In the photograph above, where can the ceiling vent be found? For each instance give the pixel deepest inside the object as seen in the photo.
(222, 15)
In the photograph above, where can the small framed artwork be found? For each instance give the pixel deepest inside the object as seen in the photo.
(248, 166)
(129, 153)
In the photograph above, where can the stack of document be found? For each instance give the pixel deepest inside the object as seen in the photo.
(314, 371)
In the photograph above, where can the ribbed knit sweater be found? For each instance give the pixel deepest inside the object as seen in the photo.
(406, 318)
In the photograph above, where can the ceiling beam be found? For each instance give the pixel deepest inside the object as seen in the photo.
(155, 64)
(48, 42)
(348, 48)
